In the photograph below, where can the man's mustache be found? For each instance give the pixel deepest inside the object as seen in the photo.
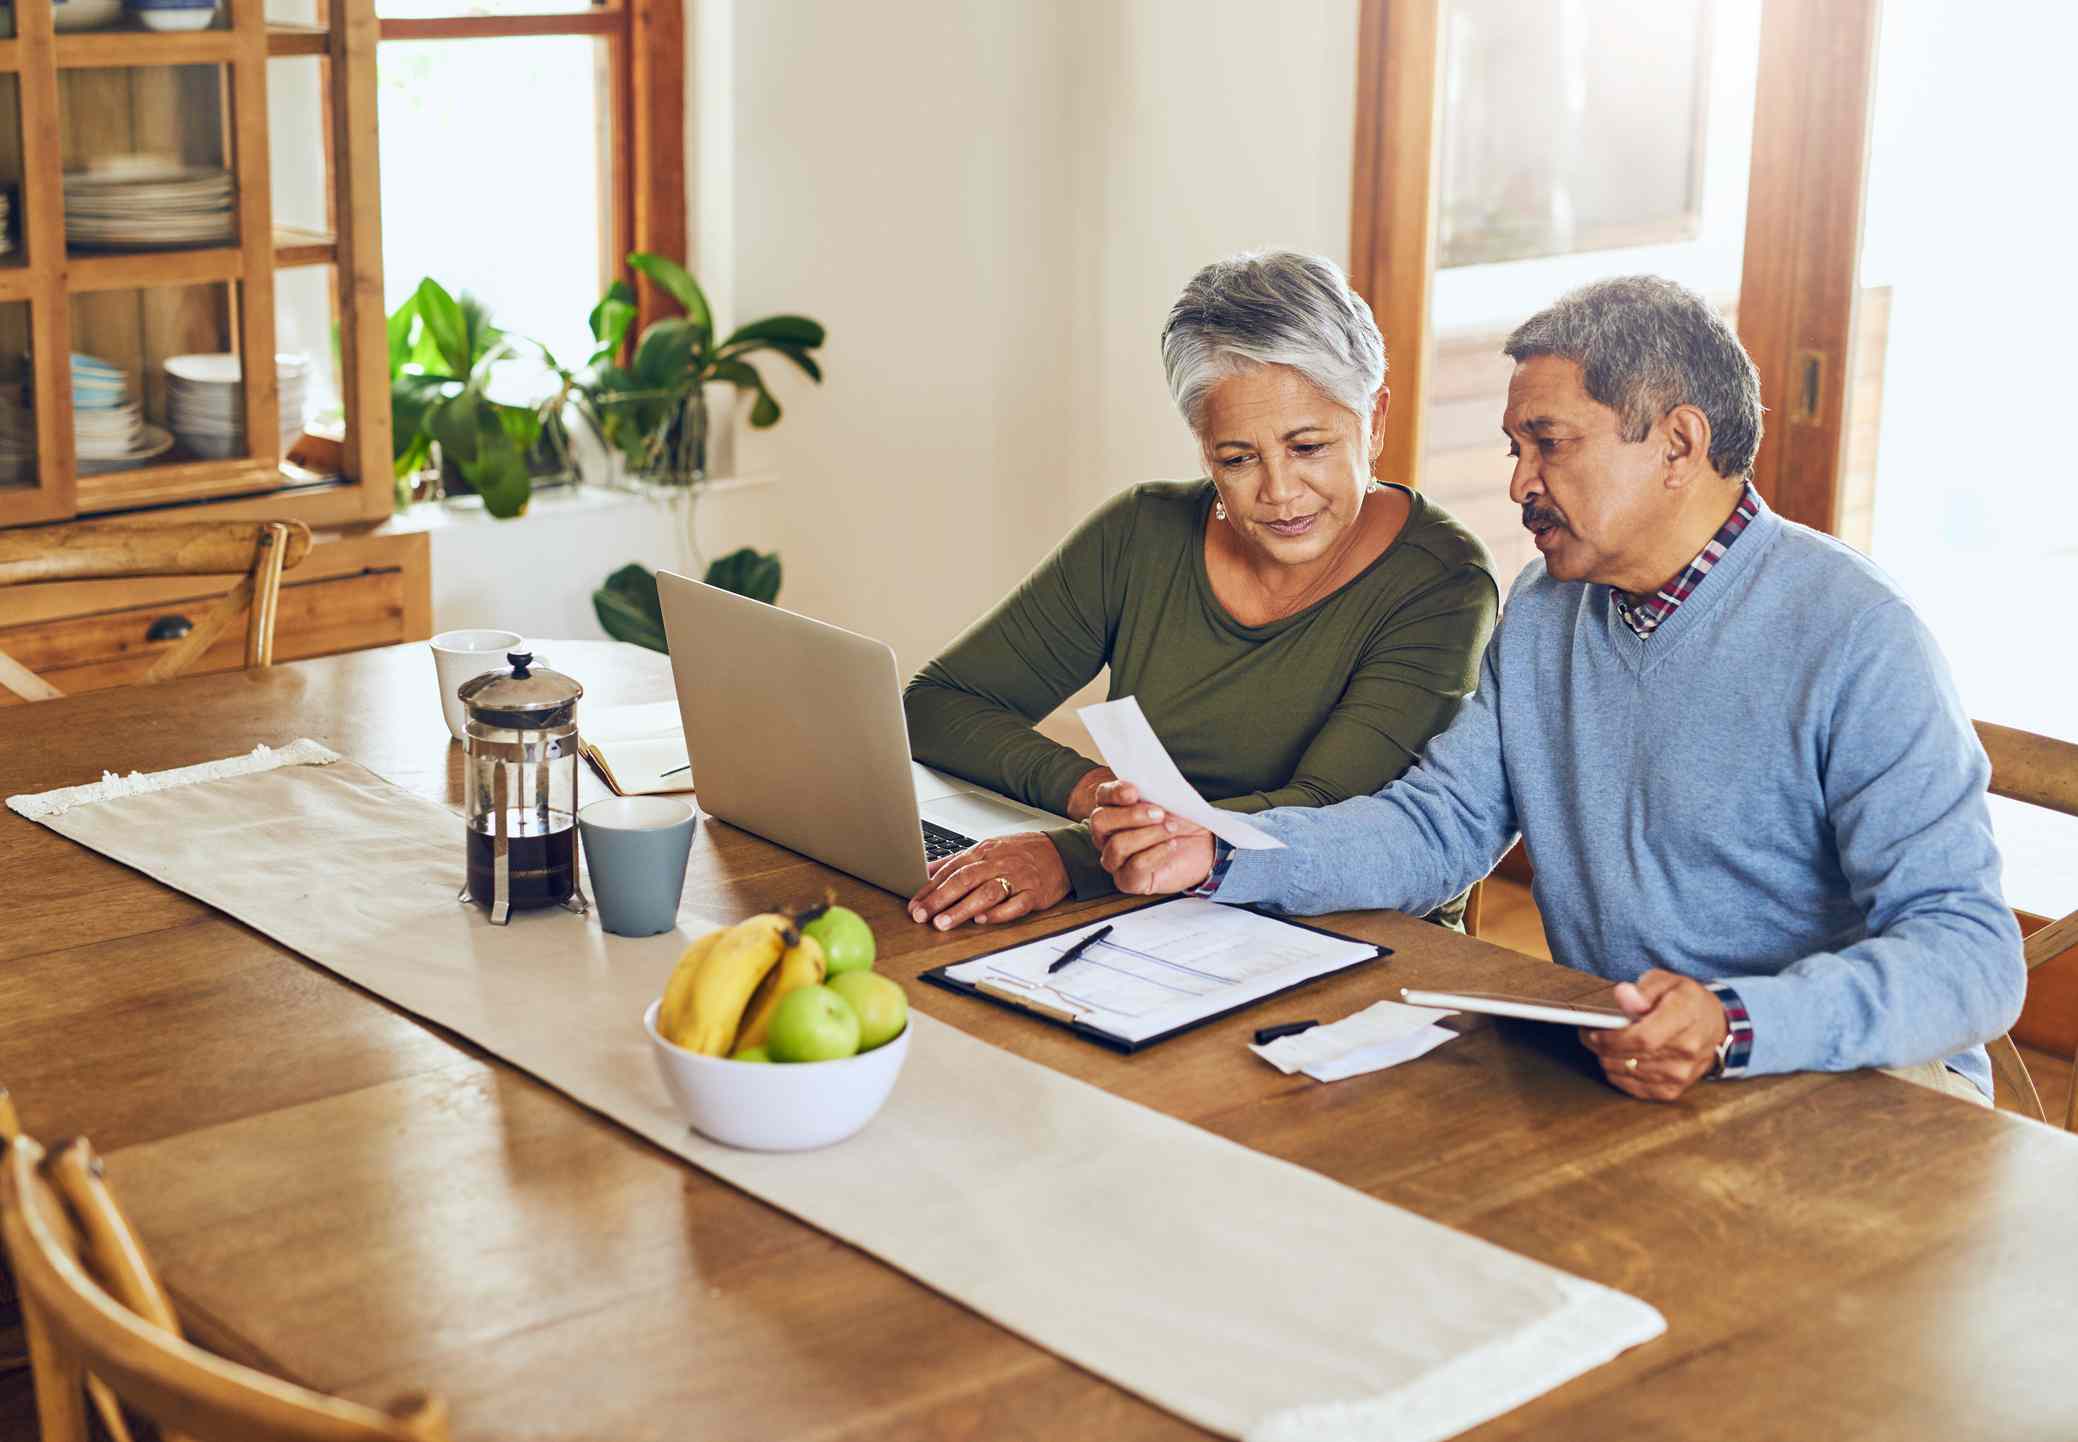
(1536, 517)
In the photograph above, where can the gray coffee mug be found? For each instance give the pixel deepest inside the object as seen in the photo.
(635, 848)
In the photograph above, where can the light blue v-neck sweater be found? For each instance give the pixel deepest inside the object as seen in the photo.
(1778, 788)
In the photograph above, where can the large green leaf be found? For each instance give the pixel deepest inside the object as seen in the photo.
(446, 326)
(498, 470)
(628, 608)
(411, 396)
(521, 425)
(618, 304)
(666, 354)
(747, 573)
(764, 412)
(787, 329)
(675, 281)
(484, 340)
(400, 323)
(457, 422)
(412, 455)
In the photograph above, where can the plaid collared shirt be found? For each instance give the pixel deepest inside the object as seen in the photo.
(1645, 616)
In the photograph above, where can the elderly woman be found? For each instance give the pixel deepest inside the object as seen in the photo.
(1294, 630)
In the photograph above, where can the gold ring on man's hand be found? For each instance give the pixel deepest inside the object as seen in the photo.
(1631, 1065)
(1008, 890)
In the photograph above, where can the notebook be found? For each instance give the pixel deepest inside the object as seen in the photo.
(637, 750)
(1159, 971)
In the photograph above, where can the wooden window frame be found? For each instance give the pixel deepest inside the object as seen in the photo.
(1799, 284)
(645, 66)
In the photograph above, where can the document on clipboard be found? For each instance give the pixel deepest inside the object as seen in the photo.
(1157, 971)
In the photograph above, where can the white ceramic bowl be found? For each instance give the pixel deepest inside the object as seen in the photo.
(86, 14)
(775, 1106)
(186, 19)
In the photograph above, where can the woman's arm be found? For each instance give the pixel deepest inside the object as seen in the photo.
(971, 711)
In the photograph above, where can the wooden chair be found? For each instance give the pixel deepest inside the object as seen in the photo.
(2040, 771)
(100, 1326)
(114, 549)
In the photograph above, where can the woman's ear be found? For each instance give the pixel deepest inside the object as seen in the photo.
(1379, 408)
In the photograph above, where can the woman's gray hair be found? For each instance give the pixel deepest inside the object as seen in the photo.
(1646, 345)
(1273, 307)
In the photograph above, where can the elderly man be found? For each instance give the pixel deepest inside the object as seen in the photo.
(1734, 752)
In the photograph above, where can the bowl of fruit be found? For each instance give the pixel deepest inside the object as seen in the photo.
(776, 1034)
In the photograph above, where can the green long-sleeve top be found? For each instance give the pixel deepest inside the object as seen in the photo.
(1331, 702)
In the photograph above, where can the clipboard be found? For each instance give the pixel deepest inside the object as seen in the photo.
(1070, 1021)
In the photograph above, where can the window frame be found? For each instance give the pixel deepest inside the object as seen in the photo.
(645, 70)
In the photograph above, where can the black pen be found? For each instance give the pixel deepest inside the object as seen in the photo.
(1080, 947)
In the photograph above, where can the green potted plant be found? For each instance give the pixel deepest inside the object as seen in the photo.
(444, 353)
(652, 411)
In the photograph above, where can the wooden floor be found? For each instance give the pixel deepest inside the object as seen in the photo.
(1510, 919)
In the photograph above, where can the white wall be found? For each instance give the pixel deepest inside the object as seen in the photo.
(991, 207)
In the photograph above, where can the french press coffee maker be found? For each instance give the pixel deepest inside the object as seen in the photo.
(520, 759)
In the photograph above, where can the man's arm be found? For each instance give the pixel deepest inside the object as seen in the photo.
(1410, 847)
(1904, 781)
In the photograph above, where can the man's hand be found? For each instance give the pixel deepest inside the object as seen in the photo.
(1146, 850)
(1671, 1043)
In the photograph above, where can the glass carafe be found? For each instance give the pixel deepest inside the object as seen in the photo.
(520, 751)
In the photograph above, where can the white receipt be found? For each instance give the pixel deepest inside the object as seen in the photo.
(1383, 1034)
(1134, 753)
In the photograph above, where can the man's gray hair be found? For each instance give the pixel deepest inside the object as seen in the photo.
(1273, 307)
(1646, 345)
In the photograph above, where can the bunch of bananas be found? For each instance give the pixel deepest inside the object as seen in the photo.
(721, 998)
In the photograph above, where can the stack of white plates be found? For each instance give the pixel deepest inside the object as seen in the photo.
(205, 401)
(136, 202)
(109, 431)
(6, 229)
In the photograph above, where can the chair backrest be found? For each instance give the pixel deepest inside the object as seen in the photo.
(2038, 771)
(110, 550)
(97, 1318)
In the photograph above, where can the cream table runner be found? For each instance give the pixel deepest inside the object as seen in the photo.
(1253, 1297)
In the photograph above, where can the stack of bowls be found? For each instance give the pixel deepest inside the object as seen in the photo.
(205, 401)
(174, 14)
(108, 429)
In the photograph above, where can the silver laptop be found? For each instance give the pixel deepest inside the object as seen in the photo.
(796, 733)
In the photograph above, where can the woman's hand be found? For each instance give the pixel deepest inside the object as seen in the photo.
(1083, 799)
(1146, 850)
(996, 880)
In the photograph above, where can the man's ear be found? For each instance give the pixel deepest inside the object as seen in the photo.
(1379, 407)
(1685, 437)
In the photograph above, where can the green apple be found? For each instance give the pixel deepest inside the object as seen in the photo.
(813, 1023)
(883, 1009)
(752, 1053)
(847, 940)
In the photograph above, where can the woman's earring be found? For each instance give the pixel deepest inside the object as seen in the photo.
(1219, 510)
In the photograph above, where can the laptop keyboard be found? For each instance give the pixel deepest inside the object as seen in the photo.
(941, 841)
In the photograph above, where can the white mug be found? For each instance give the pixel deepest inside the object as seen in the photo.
(460, 655)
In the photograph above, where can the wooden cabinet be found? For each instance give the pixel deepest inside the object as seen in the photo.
(201, 97)
(351, 592)
(67, 100)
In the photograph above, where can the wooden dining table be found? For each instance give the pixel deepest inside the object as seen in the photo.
(365, 1203)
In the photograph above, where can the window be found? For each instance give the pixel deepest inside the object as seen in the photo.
(526, 147)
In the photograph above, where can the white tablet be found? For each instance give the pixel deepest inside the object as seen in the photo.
(1524, 1007)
